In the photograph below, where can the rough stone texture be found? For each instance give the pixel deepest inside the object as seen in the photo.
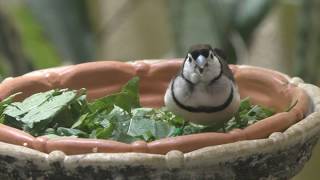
(280, 165)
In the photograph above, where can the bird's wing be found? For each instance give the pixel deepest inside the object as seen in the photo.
(227, 71)
(225, 68)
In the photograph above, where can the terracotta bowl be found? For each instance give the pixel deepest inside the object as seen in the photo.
(277, 146)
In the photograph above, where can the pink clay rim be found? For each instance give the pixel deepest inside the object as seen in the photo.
(266, 87)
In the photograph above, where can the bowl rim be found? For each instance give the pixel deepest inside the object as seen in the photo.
(71, 146)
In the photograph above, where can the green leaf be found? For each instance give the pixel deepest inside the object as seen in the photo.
(50, 131)
(80, 121)
(132, 89)
(102, 133)
(36, 112)
(162, 129)
(177, 132)
(147, 136)
(244, 104)
(126, 99)
(48, 108)
(120, 120)
(248, 114)
(71, 113)
(142, 126)
(164, 115)
(191, 128)
(4, 103)
(61, 131)
(18, 109)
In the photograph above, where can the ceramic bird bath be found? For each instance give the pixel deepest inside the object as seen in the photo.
(275, 147)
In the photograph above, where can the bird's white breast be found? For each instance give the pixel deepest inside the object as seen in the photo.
(202, 94)
(214, 95)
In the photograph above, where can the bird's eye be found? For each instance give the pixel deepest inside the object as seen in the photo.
(189, 59)
(211, 56)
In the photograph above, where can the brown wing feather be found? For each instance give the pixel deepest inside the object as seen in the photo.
(226, 70)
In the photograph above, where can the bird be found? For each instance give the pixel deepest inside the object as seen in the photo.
(204, 91)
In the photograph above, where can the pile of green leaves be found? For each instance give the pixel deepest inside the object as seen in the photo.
(63, 112)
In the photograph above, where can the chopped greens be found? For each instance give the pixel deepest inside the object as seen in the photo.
(62, 112)
(247, 115)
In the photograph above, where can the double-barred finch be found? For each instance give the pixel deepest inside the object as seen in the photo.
(204, 91)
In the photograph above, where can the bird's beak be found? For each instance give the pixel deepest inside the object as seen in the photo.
(201, 62)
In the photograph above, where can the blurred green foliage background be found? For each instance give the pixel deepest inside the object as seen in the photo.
(279, 34)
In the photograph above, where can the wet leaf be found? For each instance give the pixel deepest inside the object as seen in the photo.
(38, 111)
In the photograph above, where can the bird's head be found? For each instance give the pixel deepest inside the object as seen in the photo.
(202, 64)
